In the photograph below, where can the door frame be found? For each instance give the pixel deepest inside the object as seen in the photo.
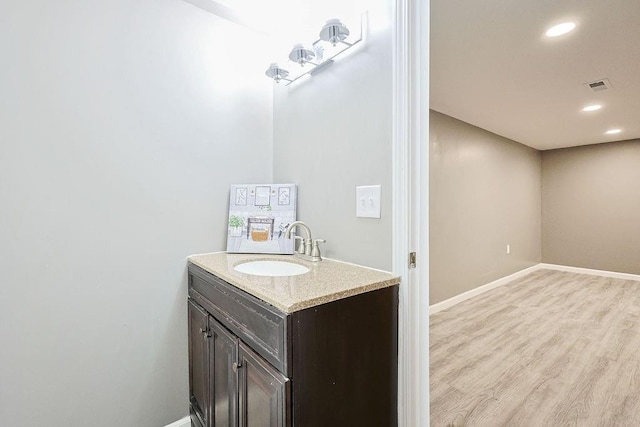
(410, 204)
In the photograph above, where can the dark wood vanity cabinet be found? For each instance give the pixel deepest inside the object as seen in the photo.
(264, 392)
(212, 353)
(250, 364)
(229, 383)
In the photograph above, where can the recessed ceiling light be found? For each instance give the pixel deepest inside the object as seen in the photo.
(593, 107)
(613, 131)
(560, 29)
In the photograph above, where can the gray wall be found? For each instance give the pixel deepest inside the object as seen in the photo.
(484, 194)
(591, 206)
(119, 136)
(332, 132)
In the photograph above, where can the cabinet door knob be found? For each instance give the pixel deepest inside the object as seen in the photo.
(236, 366)
(204, 332)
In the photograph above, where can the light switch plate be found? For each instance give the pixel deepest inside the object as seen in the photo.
(368, 201)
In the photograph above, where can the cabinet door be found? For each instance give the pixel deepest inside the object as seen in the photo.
(198, 362)
(223, 348)
(264, 392)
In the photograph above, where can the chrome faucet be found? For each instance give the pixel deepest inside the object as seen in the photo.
(308, 248)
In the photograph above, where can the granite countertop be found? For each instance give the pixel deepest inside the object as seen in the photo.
(328, 280)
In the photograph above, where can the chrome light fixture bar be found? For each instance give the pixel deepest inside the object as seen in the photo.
(333, 41)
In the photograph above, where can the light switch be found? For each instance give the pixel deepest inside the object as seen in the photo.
(368, 201)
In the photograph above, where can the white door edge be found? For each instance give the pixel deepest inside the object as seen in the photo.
(411, 205)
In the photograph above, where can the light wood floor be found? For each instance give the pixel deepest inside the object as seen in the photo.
(549, 349)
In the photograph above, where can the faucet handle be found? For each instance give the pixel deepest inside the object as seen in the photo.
(300, 242)
(315, 250)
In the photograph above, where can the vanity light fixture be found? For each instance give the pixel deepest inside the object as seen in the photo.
(560, 29)
(594, 107)
(302, 55)
(334, 32)
(334, 39)
(276, 73)
(613, 131)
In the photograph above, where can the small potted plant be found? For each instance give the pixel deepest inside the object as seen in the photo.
(236, 222)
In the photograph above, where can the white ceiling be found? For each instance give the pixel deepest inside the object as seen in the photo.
(492, 66)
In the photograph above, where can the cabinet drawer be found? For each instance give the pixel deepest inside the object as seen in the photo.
(257, 323)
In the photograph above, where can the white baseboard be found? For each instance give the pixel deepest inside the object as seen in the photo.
(604, 273)
(184, 422)
(443, 305)
(480, 290)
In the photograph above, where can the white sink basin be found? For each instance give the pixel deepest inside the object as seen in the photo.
(271, 268)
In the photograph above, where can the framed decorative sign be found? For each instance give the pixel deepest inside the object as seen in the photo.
(258, 217)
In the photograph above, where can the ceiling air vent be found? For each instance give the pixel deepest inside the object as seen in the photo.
(598, 85)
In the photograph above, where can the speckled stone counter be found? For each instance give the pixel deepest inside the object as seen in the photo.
(326, 281)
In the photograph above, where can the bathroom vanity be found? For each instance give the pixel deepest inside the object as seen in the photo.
(316, 349)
